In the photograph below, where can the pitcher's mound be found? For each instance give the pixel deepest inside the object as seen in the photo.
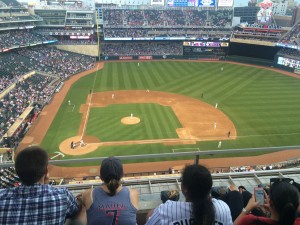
(130, 120)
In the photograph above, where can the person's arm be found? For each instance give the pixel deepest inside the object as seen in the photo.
(252, 204)
(134, 197)
(154, 217)
(87, 198)
(74, 205)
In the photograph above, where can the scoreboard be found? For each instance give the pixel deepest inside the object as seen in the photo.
(205, 44)
(194, 3)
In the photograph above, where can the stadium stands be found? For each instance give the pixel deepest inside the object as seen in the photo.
(144, 48)
(19, 38)
(11, 3)
(290, 53)
(292, 37)
(138, 23)
(166, 18)
(35, 89)
(8, 178)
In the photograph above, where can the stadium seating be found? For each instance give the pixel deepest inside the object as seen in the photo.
(11, 3)
(292, 37)
(289, 53)
(8, 178)
(35, 89)
(154, 48)
(17, 38)
(168, 18)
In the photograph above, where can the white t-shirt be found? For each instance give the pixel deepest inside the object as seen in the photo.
(180, 213)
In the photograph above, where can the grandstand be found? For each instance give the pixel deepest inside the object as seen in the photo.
(34, 65)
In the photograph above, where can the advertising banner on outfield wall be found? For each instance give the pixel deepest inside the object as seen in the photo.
(225, 3)
(125, 58)
(158, 2)
(146, 57)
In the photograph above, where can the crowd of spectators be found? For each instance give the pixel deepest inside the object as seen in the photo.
(167, 18)
(16, 38)
(293, 37)
(166, 32)
(259, 36)
(8, 178)
(144, 48)
(290, 53)
(13, 65)
(58, 62)
(33, 89)
(14, 18)
(275, 202)
(11, 3)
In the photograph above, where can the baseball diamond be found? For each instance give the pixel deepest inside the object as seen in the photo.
(168, 99)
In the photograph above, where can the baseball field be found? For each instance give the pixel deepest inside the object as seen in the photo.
(126, 108)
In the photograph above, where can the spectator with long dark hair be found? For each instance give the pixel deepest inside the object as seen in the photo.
(199, 209)
(282, 202)
(111, 201)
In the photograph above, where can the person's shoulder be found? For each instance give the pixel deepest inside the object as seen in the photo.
(248, 220)
(297, 221)
(254, 220)
(221, 208)
(5, 193)
(175, 204)
(219, 202)
(56, 190)
(133, 192)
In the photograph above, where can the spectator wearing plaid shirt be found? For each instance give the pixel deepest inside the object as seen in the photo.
(35, 202)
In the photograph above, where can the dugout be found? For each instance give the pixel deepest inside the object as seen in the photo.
(19, 128)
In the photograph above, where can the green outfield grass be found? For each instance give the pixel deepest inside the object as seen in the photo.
(157, 122)
(264, 105)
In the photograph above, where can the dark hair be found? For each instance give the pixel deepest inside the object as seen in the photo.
(31, 164)
(285, 198)
(111, 172)
(197, 181)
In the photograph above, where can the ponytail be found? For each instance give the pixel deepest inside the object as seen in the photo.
(203, 211)
(112, 186)
(288, 215)
(197, 181)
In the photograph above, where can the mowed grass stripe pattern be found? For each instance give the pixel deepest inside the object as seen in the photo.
(157, 122)
(264, 105)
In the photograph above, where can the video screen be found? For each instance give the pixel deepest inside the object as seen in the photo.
(292, 63)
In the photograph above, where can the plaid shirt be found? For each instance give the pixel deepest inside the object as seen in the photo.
(37, 204)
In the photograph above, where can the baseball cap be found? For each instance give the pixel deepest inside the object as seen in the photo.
(111, 168)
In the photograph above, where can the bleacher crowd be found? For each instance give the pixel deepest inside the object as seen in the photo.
(18, 38)
(33, 89)
(14, 3)
(48, 60)
(293, 36)
(290, 53)
(120, 23)
(166, 18)
(144, 48)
